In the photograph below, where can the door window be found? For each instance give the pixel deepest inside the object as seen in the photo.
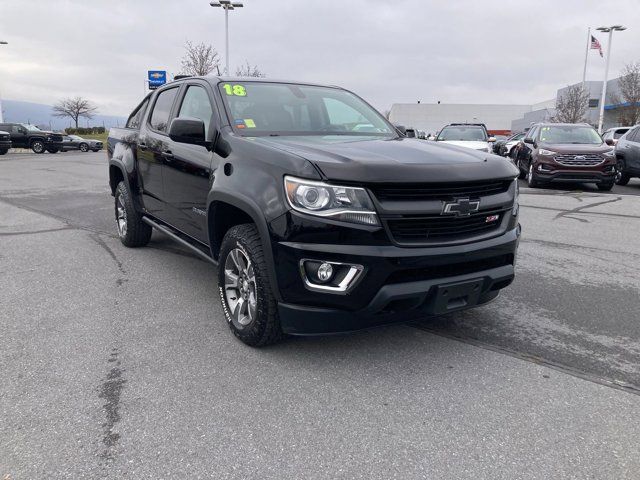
(196, 104)
(162, 110)
(136, 117)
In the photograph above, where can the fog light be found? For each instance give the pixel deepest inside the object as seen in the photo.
(330, 276)
(325, 272)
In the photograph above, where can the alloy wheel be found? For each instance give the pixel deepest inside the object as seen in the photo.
(121, 217)
(240, 288)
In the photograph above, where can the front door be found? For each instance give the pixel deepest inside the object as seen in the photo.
(152, 144)
(19, 136)
(188, 168)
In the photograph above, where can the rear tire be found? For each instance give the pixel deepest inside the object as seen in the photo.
(521, 172)
(84, 147)
(37, 146)
(245, 291)
(132, 231)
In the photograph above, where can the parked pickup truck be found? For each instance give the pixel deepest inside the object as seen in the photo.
(317, 225)
(5, 142)
(24, 135)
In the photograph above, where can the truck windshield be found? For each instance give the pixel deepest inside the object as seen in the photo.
(264, 108)
(30, 127)
(469, 134)
(560, 134)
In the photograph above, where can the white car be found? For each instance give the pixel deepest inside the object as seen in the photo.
(469, 136)
(615, 133)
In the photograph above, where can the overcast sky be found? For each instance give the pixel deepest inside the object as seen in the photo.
(386, 51)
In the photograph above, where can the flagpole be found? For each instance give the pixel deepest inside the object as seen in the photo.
(586, 57)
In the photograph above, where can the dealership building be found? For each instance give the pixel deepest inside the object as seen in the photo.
(503, 119)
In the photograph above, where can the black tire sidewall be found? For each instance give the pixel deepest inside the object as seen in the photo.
(138, 233)
(243, 237)
(84, 147)
(40, 145)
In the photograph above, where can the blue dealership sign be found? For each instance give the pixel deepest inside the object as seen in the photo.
(157, 78)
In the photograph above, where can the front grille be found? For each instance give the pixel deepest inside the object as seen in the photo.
(439, 191)
(421, 229)
(587, 160)
(5, 137)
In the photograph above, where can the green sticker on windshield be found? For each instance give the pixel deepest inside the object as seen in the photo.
(237, 90)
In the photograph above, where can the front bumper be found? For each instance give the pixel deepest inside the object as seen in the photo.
(398, 283)
(582, 176)
(5, 144)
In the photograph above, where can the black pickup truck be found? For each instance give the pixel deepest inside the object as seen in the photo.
(321, 216)
(24, 135)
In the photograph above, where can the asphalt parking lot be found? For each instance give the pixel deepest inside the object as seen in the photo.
(117, 363)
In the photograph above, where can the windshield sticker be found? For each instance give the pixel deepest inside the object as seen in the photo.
(240, 123)
(237, 90)
(249, 123)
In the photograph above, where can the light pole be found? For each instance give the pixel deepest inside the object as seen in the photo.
(610, 31)
(226, 5)
(2, 42)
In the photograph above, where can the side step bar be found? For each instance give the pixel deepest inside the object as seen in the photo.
(179, 239)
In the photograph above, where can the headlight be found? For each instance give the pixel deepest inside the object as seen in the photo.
(348, 204)
(609, 154)
(516, 199)
(548, 153)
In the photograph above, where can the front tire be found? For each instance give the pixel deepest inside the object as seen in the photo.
(52, 150)
(605, 187)
(84, 147)
(621, 178)
(132, 231)
(3, 151)
(37, 146)
(245, 291)
(531, 178)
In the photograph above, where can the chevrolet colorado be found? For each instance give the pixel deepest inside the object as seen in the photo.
(320, 215)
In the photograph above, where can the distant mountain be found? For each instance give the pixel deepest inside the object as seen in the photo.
(39, 114)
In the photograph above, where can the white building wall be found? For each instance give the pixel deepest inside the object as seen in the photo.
(432, 117)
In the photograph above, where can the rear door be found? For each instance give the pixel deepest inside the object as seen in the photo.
(188, 168)
(152, 144)
(632, 151)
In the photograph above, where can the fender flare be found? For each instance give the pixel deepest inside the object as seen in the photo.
(248, 206)
(127, 179)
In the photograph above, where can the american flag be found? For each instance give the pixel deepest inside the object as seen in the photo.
(595, 44)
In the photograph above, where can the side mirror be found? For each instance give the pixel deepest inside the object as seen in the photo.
(528, 141)
(492, 139)
(401, 128)
(188, 130)
(610, 142)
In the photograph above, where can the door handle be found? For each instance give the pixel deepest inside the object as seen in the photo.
(142, 146)
(167, 154)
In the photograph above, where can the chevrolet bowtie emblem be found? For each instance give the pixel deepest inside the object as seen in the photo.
(461, 207)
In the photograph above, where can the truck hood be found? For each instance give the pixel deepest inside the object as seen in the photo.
(467, 144)
(360, 159)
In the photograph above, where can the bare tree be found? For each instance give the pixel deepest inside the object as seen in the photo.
(74, 108)
(249, 71)
(629, 84)
(200, 59)
(572, 106)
